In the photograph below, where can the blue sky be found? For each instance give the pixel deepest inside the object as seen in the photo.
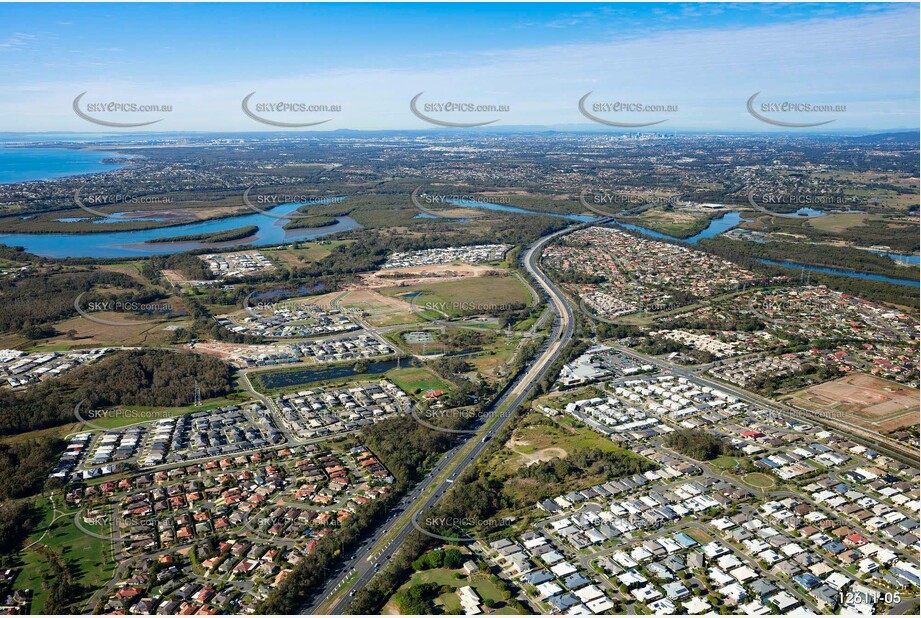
(538, 59)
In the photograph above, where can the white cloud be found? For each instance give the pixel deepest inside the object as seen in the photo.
(868, 62)
(17, 40)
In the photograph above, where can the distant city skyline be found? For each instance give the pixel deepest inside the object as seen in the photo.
(696, 64)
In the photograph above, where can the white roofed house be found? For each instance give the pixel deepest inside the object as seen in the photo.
(469, 600)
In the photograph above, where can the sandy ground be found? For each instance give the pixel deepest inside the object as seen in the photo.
(529, 459)
(174, 276)
(231, 352)
(360, 297)
(382, 310)
(416, 275)
(867, 400)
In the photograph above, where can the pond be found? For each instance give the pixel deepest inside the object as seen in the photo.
(296, 377)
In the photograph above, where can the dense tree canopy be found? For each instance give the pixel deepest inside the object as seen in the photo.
(128, 377)
(697, 444)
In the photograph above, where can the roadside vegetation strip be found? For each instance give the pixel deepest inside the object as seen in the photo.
(410, 513)
(535, 296)
(543, 365)
(348, 580)
(418, 504)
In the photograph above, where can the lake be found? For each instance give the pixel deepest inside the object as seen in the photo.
(27, 164)
(297, 377)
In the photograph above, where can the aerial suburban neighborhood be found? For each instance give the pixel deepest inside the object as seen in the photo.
(460, 309)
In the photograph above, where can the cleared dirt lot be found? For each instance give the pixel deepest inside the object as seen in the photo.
(529, 459)
(381, 310)
(415, 275)
(234, 352)
(864, 399)
(82, 333)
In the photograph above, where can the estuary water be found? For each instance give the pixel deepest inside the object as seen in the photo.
(132, 243)
(27, 164)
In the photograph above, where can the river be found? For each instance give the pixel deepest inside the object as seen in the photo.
(36, 163)
(839, 271)
(521, 211)
(716, 227)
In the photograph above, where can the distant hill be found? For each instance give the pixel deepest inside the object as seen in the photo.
(908, 137)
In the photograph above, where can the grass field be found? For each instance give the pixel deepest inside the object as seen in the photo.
(697, 535)
(564, 432)
(126, 329)
(60, 432)
(306, 252)
(448, 601)
(490, 360)
(455, 298)
(725, 463)
(132, 269)
(495, 357)
(89, 557)
(380, 310)
(87, 333)
(676, 223)
(539, 438)
(837, 222)
(857, 229)
(417, 380)
(759, 480)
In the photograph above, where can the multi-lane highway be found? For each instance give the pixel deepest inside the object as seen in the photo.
(374, 553)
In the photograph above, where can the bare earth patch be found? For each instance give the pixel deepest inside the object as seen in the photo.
(416, 275)
(529, 459)
(234, 352)
(174, 276)
(864, 399)
(382, 310)
(88, 333)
